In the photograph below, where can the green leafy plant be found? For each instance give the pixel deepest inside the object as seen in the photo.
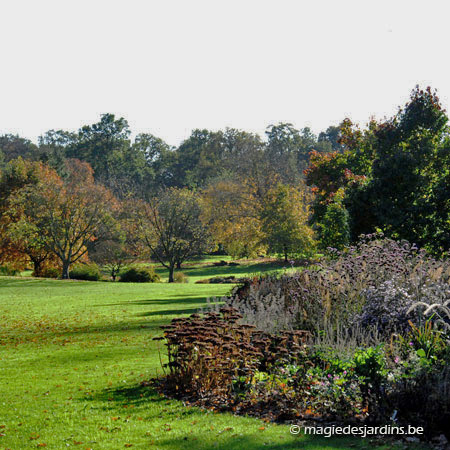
(9, 269)
(370, 367)
(426, 340)
(180, 277)
(139, 275)
(88, 272)
(50, 272)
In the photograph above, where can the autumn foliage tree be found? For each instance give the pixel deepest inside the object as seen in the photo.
(231, 209)
(19, 241)
(66, 217)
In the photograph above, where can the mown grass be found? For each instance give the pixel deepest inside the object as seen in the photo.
(72, 358)
(201, 270)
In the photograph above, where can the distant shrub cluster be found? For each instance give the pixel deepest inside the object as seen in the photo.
(222, 280)
(50, 272)
(87, 272)
(9, 269)
(139, 275)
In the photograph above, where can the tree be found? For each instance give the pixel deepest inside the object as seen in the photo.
(53, 149)
(170, 227)
(334, 230)
(159, 161)
(288, 150)
(66, 217)
(101, 145)
(14, 146)
(409, 172)
(284, 222)
(19, 243)
(332, 135)
(341, 171)
(231, 210)
(120, 244)
(113, 255)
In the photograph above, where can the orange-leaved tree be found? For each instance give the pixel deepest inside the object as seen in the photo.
(67, 215)
(20, 244)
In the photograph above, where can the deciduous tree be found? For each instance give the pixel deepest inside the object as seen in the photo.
(170, 227)
(66, 217)
(285, 217)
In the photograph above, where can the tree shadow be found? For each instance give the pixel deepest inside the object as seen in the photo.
(130, 395)
(255, 442)
(212, 270)
(174, 299)
(168, 312)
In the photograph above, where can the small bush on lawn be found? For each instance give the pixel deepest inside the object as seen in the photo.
(87, 272)
(139, 275)
(222, 280)
(180, 277)
(50, 272)
(9, 269)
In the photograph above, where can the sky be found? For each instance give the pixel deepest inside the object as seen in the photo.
(170, 66)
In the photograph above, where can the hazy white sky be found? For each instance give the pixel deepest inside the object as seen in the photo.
(170, 66)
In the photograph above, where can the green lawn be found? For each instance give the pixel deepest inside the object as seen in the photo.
(73, 354)
(203, 269)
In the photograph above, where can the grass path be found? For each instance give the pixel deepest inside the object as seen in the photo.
(73, 354)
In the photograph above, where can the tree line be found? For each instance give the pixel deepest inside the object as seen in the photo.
(54, 221)
(143, 166)
(97, 195)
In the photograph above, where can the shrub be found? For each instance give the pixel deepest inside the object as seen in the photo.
(180, 277)
(220, 263)
(334, 231)
(377, 282)
(9, 269)
(50, 272)
(139, 275)
(424, 400)
(208, 355)
(223, 280)
(216, 360)
(88, 272)
(419, 387)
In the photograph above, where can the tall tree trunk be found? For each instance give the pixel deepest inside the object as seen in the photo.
(171, 269)
(37, 267)
(285, 254)
(65, 270)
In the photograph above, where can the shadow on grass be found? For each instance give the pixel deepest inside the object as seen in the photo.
(244, 270)
(130, 395)
(173, 300)
(168, 312)
(287, 442)
(223, 438)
